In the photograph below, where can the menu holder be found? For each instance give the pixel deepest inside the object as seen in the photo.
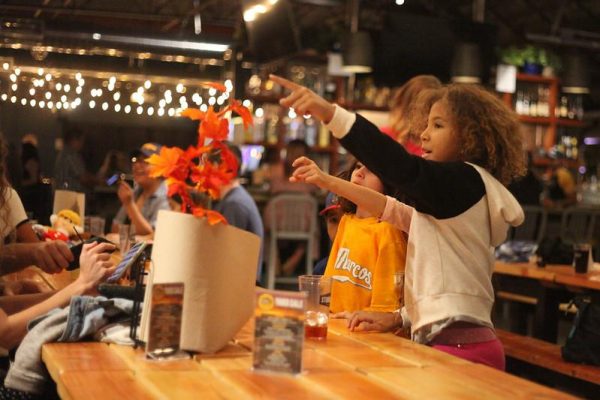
(279, 331)
(164, 327)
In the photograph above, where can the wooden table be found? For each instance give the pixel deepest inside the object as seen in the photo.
(549, 285)
(346, 365)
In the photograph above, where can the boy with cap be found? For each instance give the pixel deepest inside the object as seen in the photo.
(332, 213)
(140, 204)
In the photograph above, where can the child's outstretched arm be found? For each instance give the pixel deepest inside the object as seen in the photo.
(305, 101)
(306, 170)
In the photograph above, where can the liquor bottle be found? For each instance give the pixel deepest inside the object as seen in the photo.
(519, 103)
(564, 111)
(526, 103)
(533, 104)
(543, 107)
(579, 107)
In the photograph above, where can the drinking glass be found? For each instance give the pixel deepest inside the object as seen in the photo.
(318, 289)
(581, 257)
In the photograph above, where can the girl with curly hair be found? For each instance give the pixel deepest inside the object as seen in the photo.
(460, 208)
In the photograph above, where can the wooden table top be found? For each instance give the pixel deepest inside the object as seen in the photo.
(346, 365)
(553, 273)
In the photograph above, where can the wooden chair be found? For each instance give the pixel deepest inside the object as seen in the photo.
(290, 216)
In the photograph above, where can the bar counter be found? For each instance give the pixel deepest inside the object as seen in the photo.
(346, 365)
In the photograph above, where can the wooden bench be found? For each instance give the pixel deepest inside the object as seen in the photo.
(546, 356)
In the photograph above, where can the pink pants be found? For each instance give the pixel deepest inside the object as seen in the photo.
(489, 353)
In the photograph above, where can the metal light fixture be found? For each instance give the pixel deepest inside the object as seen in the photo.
(576, 79)
(466, 64)
(358, 47)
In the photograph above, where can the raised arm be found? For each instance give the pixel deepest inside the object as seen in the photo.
(142, 225)
(307, 171)
(441, 189)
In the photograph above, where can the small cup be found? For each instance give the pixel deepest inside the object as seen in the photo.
(318, 289)
(581, 257)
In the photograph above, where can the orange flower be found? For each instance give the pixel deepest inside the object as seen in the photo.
(171, 162)
(243, 112)
(205, 168)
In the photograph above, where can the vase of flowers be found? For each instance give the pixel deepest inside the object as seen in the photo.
(215, 261)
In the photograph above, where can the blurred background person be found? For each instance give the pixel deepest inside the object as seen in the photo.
(400, 107)
(115, 162)
(35, 194)
(239, 209)
(69, 169)
(280, 172)
(140, 204)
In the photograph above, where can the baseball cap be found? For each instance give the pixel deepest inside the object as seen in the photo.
(146, 150)
(332, 202)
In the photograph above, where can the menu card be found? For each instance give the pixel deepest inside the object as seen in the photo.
(165, 321)
(279, 331)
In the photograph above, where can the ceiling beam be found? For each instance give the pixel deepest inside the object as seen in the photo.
(87, 12)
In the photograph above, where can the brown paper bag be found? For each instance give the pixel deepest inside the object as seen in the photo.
(217, 265)
(67, 199)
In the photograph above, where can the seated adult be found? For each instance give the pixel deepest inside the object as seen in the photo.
(140, 204)
(17, 311)
(238, 207)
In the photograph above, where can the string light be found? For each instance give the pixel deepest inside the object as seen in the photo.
(145, 96)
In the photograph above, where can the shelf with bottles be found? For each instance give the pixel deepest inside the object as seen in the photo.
(539, 102)
(362, 94)
(274, 126)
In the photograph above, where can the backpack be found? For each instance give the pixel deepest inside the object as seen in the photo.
(583, 343)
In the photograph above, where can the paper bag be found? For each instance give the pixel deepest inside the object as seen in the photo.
(66, 199)
(217, 265)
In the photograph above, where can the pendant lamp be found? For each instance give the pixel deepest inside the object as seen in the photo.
(357, 46)
(466, 63)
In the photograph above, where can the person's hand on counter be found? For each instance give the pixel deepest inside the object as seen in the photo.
(371, 320)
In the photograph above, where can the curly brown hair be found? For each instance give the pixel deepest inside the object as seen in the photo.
(488, 130)
(402, 100)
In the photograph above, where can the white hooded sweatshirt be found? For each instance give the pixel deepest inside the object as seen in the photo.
(458, 214)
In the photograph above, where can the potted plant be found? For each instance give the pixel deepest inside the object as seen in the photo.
(531, 59)
(215, 261)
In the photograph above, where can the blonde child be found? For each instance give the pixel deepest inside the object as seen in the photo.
(460, 208)
(366, 252)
